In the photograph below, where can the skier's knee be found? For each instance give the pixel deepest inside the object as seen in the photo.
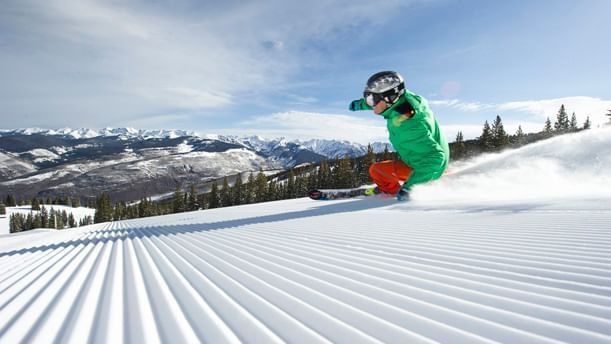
(373, 170)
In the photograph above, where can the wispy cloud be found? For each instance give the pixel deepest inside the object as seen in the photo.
(595, 108)
(108, 61)
(308, 125)
(462, 105)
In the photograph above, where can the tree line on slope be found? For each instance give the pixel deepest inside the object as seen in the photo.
(494, 137)
(43, 218)
(295, 183)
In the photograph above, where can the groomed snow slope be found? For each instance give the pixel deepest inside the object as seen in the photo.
(456, 264)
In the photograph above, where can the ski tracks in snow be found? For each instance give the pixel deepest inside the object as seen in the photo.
(257, 274)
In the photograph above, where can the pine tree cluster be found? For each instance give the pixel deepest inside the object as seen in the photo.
(42, 218)
(494, 137)
(11, 201)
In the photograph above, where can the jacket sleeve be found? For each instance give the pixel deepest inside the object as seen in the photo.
(361, 105)
(427, 159)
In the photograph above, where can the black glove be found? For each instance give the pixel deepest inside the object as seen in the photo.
(355, 105)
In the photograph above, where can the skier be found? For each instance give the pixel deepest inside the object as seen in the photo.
(413, 131)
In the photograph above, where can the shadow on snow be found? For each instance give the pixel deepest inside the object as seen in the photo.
(328, 208)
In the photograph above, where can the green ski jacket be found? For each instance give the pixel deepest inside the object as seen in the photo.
(418, 140)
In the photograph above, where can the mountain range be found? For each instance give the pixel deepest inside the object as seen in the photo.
(130, 163)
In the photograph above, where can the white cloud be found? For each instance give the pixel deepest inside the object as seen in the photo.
(185, 97)
(595, 108)
(583, 106)
(309, 125)
(462, 105)
(108, 61)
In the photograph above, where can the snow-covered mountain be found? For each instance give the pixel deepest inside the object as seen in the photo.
(327, 148)
(132, 163)
(12, 166)
(83, 133)
(512, 247)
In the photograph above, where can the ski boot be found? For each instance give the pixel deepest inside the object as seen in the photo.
(403, 195)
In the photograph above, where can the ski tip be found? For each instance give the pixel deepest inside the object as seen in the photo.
(315, 194)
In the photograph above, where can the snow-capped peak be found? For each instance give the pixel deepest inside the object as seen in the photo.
(122, 133)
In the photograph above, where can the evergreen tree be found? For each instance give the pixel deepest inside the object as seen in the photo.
(120, 211)
(71, 221)
(520, 137)
(486, 140)
(362, 169)
(237, 192)
(290, 185)
(29, 222)
(459, 148)
(192, 203)
(214, 200)
(76, 202)
(103, 208)
(573, 126)
(201, 200)
(10, 201)
(44, 217)
(37, 221)
(60, 220)
(226, 193)
(301, 185)
(35, 204)
(16, 223)
(52, 219)
(500, 138)
(178, 201)
(272, 191)
(562, 120)
(343, 174)
(64, 217)
(145, 207)
(587, 124)
(324, 175)
(547, 129)
(312, 181)
(250, 189)
(386, 154)
(261, 187)
(2, 209)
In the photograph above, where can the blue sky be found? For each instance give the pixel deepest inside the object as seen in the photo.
(287, 68)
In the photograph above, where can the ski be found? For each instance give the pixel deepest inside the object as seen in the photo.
(330, 194)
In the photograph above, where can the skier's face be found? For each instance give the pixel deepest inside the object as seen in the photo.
(380, 107)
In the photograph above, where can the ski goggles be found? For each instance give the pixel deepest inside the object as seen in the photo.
(372, 98)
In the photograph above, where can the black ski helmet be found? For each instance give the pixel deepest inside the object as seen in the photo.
(386, 85)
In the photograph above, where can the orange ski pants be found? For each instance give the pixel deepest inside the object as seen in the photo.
(387, 175)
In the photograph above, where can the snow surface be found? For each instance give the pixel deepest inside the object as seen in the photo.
(493, 252)
(41, 155)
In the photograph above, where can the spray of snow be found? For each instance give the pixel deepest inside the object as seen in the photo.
(564, 167)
